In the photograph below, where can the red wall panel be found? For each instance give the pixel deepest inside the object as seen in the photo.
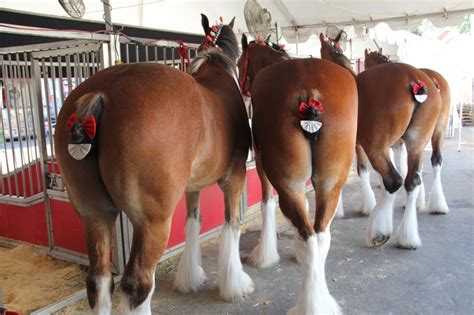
(67, 227)
(11, 182)
(29, 224)
(24, 223)
(254, 189)
(212, 214)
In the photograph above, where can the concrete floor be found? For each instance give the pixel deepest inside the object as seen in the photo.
(437, 278)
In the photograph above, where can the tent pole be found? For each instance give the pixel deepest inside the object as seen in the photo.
(461, 107)
(114, 47)
(297, 40)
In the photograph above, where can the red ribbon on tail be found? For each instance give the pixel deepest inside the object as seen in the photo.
(89, 124)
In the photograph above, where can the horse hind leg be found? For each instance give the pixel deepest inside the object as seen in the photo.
(98, 213)
(311, 250)
(265, 254)
(234, 283)
(380, 220)
(151, 226)
(368, 196)
(420, 201)
(437, 202)
(190, 275)
(340, 207)
(99, 282)
(407, 232)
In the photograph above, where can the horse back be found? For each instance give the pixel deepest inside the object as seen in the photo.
(386, 103)
(226, 128)
(276, 95)
(153, 127)
(445, 94)
(277, 90)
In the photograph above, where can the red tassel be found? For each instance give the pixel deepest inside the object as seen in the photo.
(221, 19)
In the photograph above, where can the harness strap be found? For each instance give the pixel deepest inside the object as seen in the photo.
(245, 73)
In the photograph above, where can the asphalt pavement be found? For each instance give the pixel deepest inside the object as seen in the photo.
(437, 278)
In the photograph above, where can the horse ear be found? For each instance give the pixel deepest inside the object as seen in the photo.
(231, 24)
(244, 42)
(338, 37)
(321, 38)
(205, 24)
(366, 52)
(380, 50)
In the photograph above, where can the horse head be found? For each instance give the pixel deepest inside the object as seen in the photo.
(219, 46)
(220, 36)
(331, 50)
(257, 55)
(373, 58)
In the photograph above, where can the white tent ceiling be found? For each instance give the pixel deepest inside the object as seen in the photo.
(307, 16)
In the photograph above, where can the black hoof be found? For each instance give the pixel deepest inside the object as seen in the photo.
(380, 240)
(406, 247)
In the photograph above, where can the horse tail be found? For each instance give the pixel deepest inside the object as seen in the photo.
(90, 103)
(82, 125)
(310, 109)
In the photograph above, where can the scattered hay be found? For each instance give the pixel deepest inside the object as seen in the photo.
(31, 280)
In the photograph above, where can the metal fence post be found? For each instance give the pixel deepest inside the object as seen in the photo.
(39, 117)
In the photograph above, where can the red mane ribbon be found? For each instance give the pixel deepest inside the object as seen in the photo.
(312, 103)
(418, 86)
(183, 53)
(88, 125)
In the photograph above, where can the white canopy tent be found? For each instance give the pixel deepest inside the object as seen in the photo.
(298, 19)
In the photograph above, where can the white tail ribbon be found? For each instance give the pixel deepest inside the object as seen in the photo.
(311, 126)
(421, 98)
(79, 151)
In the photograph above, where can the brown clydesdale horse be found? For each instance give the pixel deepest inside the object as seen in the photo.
(159, 133)
(389, 112)
(437, 202)
(287, 156)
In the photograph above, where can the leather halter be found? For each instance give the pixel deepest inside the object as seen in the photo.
(245, 76)
(246, 64)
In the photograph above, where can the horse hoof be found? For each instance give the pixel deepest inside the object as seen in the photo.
(380, 240)
(401, 246)
(436, 212)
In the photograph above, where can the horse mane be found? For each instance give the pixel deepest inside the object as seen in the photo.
(342, 60)
(274, 47)
(224, 56)
(381, 56)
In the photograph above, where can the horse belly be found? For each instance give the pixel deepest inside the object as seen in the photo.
(209, 165)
